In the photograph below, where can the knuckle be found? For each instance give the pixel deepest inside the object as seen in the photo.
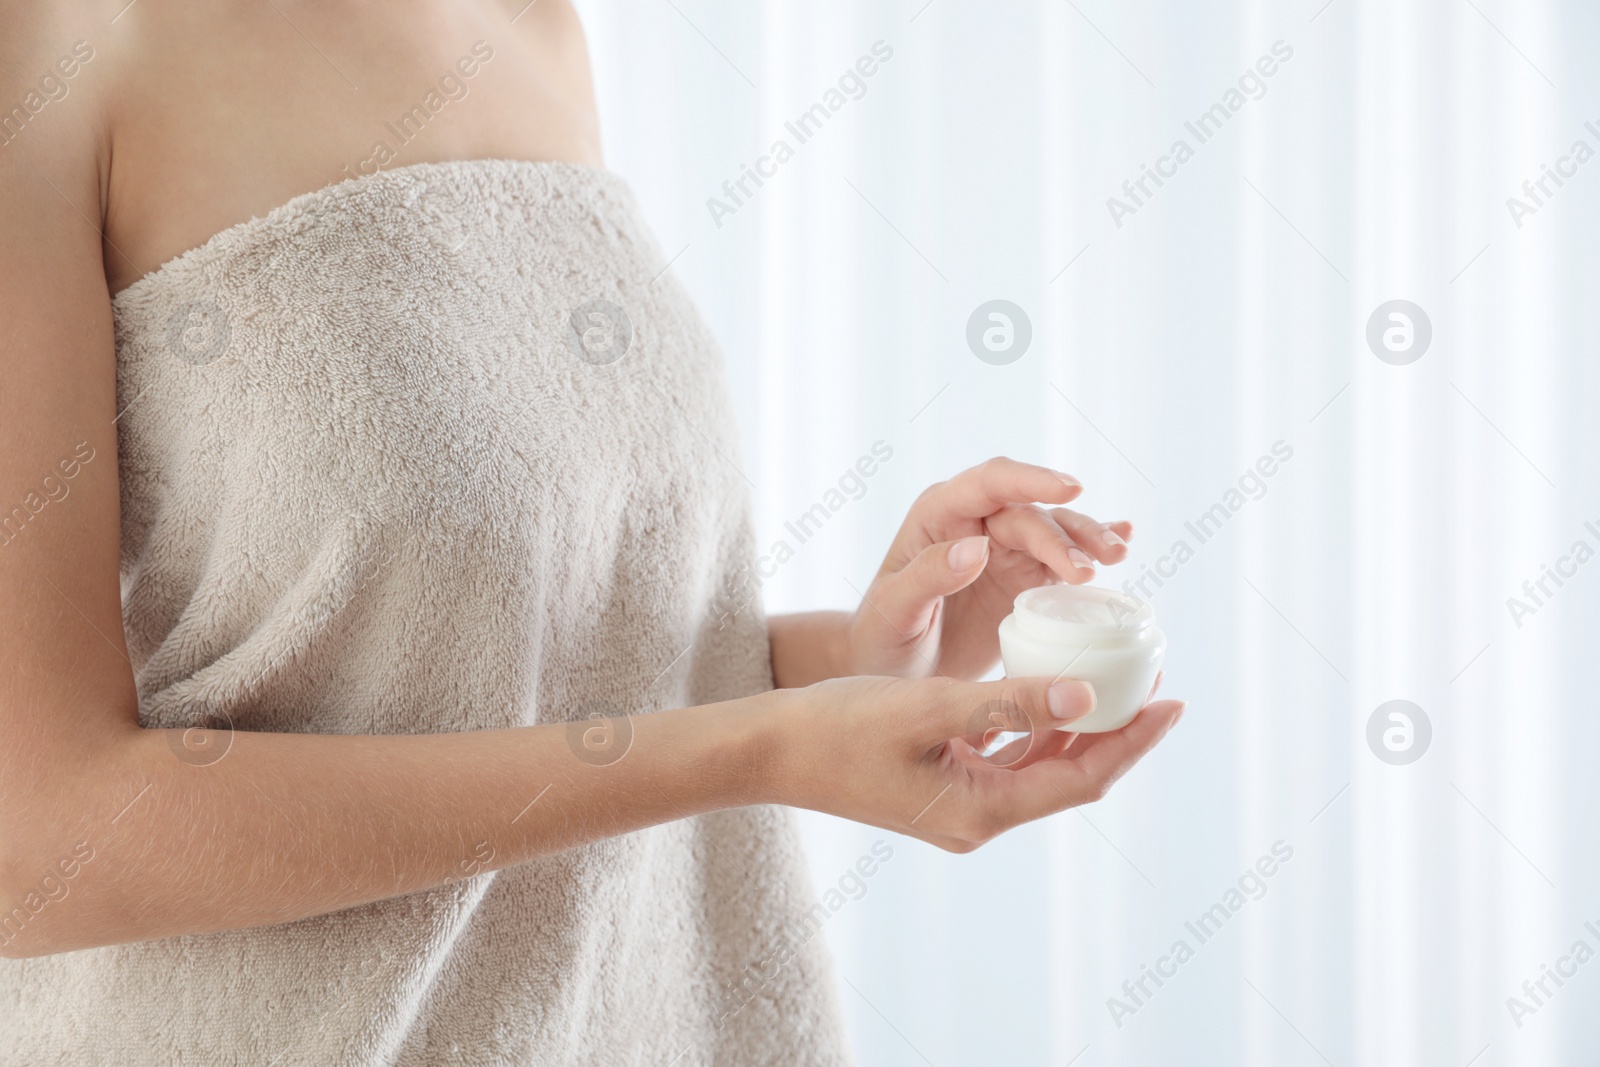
(1024, 698)
(995, 464)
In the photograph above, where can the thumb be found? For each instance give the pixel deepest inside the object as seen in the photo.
(978, 709)
(908, 597)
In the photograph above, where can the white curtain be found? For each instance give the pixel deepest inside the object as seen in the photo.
(1203, 326)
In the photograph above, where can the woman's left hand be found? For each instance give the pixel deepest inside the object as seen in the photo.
(966, 549)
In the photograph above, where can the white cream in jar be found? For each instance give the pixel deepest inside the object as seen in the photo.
(1096, 635)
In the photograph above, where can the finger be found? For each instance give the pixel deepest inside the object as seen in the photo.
(980, 490)
(1105, 541)
(963, 709)
(1019, 752)
(1048, 786)
(924, 822)
(1052, 744)
(908, 597)
(1102, 759)
(1025, 528)
(1008, 755)
(987, 726)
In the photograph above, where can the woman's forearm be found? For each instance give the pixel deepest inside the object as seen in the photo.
(286, 826)
(808, 647)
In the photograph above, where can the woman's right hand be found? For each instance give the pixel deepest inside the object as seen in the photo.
(905, 754)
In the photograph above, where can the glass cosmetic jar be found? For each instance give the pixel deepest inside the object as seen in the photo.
(1096, 635)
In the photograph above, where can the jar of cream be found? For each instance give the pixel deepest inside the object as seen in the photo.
(1096, 635)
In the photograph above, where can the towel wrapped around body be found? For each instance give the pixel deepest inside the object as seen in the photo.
(439, 449)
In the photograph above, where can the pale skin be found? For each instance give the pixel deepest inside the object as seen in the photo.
(191, 118)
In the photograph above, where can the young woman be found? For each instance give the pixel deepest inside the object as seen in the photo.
(381, 681)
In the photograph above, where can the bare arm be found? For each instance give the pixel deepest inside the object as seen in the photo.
(285, 826)
(808, 647)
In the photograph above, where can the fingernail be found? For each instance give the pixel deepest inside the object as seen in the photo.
(1080, 558)
(1070, 699)
(1072, 483)
(1177, 715)
(967, 553)
(1109, 536)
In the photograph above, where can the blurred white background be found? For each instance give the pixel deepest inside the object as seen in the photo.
(1227, 312)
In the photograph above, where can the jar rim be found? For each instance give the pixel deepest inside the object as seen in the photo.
(1066, 611)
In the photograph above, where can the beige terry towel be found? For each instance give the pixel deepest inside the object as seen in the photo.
(376, 480)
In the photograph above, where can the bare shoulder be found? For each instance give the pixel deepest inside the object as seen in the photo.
(555, 22)
(47, 52)
(51, 134)
(550, 33)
